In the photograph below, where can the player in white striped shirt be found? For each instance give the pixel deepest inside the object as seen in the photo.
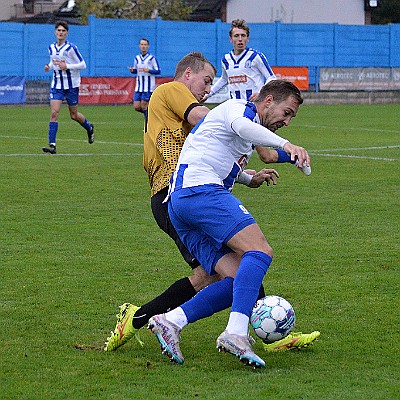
(146, 67)
(244, 69)
(66, 63)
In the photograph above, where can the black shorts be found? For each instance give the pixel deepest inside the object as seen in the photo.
(160, 212)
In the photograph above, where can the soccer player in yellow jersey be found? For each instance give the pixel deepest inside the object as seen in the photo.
(174, 109)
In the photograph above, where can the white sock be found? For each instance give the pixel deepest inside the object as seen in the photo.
(238, 324)
(177, 317)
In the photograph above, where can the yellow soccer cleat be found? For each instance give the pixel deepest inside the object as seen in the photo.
(124, 329)
(295, 340)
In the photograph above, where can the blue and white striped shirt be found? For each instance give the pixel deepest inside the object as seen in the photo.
(218, 148)
(71, 77)
(145, 81)
(244, 74)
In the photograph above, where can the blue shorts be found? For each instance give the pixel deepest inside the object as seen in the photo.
(142, 96)
(71, 95)
(206, 217)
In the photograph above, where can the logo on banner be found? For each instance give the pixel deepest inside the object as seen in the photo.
(105, 90)
(12, 89)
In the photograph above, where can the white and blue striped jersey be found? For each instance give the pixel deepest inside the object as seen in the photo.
(145, 81)
(71, 77)
(219, 147)
(244, 74)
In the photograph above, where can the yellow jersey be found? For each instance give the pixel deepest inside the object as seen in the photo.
(167, 130)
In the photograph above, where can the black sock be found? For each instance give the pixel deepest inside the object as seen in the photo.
(177, 294)
(261, 293)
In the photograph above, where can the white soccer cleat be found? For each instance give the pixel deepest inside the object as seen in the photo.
(240, 347)
(168, 335)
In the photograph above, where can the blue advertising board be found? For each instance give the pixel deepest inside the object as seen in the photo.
(12, 89)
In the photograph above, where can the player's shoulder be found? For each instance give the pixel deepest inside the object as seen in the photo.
(71, 45)
(173, 85)
(255, 51)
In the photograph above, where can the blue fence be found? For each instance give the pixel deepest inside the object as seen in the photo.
(109, 45)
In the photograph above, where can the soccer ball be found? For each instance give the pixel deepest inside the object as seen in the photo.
(272, 318)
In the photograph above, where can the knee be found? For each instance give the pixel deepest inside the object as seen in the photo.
(54, 116)
(268, 250)
(74, 116)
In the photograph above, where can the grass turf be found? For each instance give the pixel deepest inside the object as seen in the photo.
(78, 239)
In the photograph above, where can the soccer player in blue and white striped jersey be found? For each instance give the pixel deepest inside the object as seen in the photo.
(66, 62)
(244, 69)
(146, 67)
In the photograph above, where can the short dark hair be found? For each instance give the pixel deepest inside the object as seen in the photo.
(195, 60)
(64, 24)
(280, 90)
(241, 24)
(146, 40)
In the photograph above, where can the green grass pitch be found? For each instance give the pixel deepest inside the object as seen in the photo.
(78, 239)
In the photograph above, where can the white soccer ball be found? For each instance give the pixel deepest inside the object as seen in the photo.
(272, 318)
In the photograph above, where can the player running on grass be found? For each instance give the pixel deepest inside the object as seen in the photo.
(66, 61)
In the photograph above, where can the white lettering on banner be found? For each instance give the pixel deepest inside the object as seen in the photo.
(8, 88)
(95, 86)
(359, 78)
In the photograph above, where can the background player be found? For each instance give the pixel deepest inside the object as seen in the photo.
(66, 61)
(146, 67)
(244, 69)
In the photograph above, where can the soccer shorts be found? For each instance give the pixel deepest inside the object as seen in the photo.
(160, 213)
(206, 217)
(71, 95)
(142, 96)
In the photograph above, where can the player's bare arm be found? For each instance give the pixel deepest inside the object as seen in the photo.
(267, 155)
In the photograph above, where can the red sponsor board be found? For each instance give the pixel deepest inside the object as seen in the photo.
(104, 90)
(296, 75)
(160, 81)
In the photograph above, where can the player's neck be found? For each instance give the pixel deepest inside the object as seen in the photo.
(237, 52)
(60, 42)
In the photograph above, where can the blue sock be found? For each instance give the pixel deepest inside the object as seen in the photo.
(283, 156)
(86, 124)
(252, 269)
(53, 128)
(213, 298)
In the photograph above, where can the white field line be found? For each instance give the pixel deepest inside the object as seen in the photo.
(319, 152)
(358, 157)
(69, 140)
(73, 155)
(349, 128)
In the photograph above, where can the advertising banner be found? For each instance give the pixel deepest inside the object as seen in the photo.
(105, 90)
(297, 75)
(359, 79)
(12, 89)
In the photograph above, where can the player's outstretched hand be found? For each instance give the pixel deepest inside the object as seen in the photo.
(267, 175)
(297, 153)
